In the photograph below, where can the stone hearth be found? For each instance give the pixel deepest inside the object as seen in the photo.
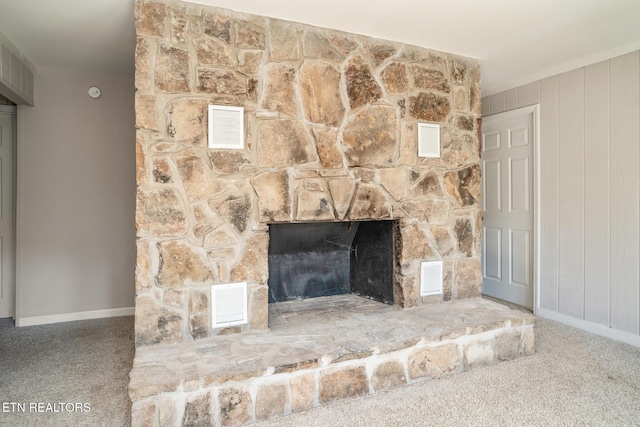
(316, 353)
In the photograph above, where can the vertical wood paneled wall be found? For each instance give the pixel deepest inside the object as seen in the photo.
(589, 187)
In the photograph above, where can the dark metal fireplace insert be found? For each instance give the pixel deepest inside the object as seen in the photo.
(308, 260)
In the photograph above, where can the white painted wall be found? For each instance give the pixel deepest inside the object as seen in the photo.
(76, 198)
(589, 188)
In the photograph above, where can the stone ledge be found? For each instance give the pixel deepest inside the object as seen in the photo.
(302, 361)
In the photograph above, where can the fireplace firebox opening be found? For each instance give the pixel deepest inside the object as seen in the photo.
(308, 260)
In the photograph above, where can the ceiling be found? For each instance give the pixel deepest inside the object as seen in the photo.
(517, 41)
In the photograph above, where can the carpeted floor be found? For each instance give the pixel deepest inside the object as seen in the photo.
(575, 378)
(85, 362)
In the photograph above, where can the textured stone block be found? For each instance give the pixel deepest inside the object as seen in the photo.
(463, 229)
(342, 191)
(279, 88)
(320, 93)
(394, 77)
(180, 266)
(458, 150)
(315, 45)
(217, 26)
(253, 266)
(220, 237)
(235, 406)
(528, 341)
(283, 41)
(428, 185)
(143, 413)
(464, 185)
(220, 81)
(198, 302)
(415, 244)
(160, 212)
(443, 240)
(271, 401)
(508, 345)
(284, 142)
(434, 362)
(303, 392)
(197, 411)
(468, 278)
(479, 353)
(408, 143)
(173, 70)
(388, 375)
(235, 209)
(186, 118)
(274, 199)
(426, 78)
(430, 107)
(362, 88)
(249, 62)
(227, 162)
(342, 384)
(212, 52)
(369, 203)
(146, 116)
(405, 291)
(259, 307)
(395, 181)
(155, 324)
(249, 35)
(327, 146)
(381, 51)
(197, 176)
(179, 27)
(150, 18)
(162, 171)
(314, 206)
(167, 411)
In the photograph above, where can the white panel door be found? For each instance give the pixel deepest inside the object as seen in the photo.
(7, 282)
(507, 179)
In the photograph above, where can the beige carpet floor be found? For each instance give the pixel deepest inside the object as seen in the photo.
(85, 362)
(575, 378)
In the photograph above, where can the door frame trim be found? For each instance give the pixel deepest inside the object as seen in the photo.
(535, 154)
(13, 110)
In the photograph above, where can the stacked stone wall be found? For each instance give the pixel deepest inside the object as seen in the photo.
(331, 135)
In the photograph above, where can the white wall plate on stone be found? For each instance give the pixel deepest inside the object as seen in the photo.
(430, 278)
(226, 127)
(228, 304)
(428, 140)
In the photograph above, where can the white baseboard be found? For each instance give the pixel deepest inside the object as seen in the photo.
(70, 317)
(592, 327)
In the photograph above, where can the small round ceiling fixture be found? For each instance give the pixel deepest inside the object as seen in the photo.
(94, 92)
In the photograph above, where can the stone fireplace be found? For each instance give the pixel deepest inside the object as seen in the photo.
(331, 136)
(327, 198)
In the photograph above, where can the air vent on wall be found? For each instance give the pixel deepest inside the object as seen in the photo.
(428, 140)
(226, 127)
(228, 304)
(430, 278)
